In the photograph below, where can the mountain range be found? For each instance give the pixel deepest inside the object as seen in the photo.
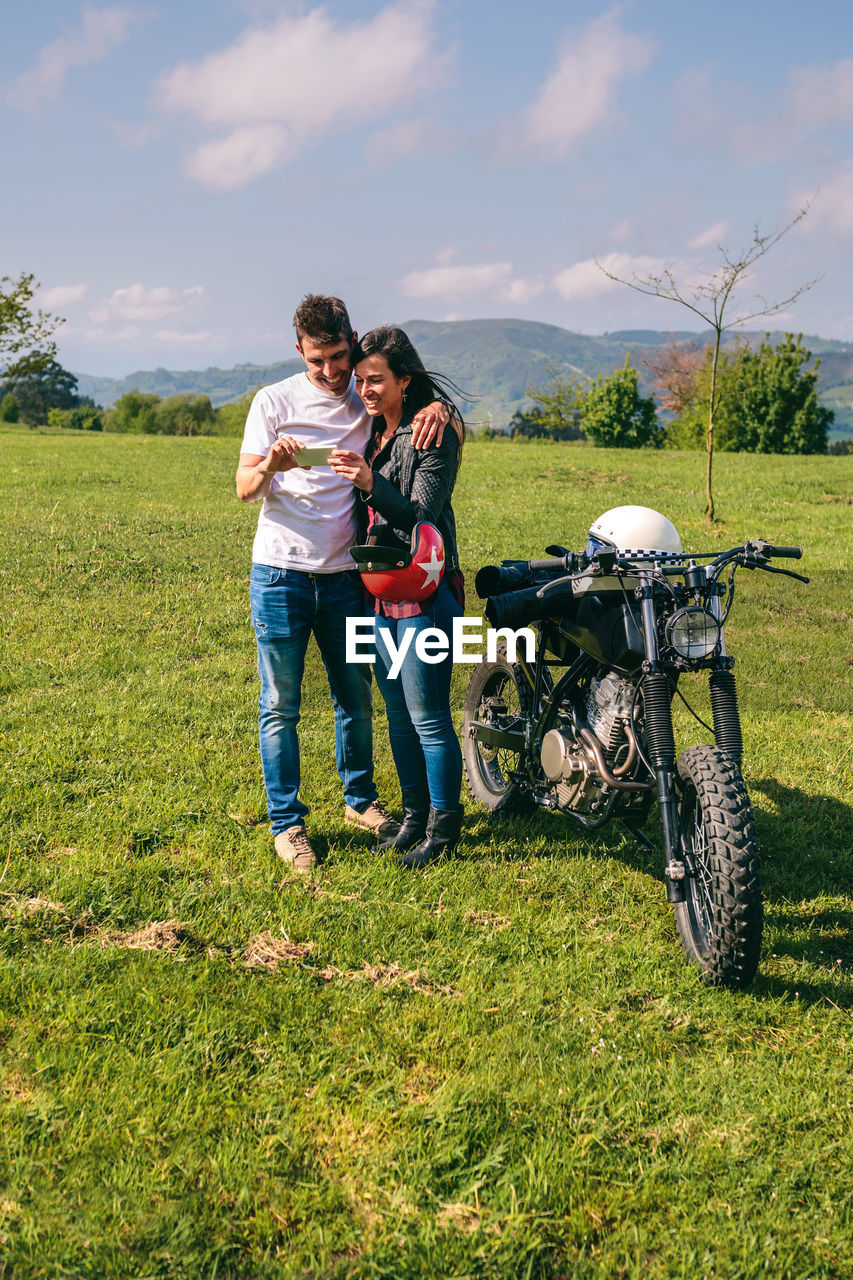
(493, 362)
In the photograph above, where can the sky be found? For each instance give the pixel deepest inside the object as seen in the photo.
(177, 176)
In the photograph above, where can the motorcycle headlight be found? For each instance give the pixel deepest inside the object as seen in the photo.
(693, 632)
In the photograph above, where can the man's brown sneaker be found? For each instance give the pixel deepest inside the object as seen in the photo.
(375, 818)
(294, 847)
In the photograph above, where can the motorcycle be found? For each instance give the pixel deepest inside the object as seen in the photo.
(585, 727)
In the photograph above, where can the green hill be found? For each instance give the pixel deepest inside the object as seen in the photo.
(493, 362)
(222, 385)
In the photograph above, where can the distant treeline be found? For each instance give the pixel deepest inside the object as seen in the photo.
(767, 403)
(48, 397)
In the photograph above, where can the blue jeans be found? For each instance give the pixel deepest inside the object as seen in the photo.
(423, 741)
(286, 607)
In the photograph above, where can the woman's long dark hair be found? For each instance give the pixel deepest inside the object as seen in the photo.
(404, 361)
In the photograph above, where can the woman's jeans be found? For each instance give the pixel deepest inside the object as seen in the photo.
(423, 741)
(287, 606)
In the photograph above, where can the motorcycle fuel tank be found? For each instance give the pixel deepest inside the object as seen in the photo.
(605, 629)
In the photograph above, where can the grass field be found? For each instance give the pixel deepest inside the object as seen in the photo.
(499, 1068)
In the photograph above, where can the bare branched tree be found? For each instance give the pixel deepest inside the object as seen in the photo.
(711, 299)
(675, 372)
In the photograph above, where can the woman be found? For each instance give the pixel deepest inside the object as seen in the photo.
(399, 487)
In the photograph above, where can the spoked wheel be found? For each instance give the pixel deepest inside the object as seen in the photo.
(493, 726)
(720, 921)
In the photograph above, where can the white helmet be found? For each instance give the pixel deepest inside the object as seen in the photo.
(633, 529)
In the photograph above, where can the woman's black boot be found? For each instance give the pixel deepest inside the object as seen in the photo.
(442, 837)
(414, 824)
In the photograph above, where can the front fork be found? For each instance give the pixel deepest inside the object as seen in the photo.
(657, 704)
(727, 730)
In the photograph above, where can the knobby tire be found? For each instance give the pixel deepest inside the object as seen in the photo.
(489, 769)
(720, 923)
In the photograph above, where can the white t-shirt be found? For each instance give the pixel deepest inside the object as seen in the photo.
(307, 520)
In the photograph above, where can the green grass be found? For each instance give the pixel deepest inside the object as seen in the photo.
(499, 1068)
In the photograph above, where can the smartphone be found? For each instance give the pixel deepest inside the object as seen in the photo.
(318, 457)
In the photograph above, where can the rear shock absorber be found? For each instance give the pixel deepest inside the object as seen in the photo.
(727, 729)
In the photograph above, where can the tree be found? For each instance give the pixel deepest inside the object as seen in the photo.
(10, 410)
(688, 429)
(21, 328)
(40, 384)
(85, 417)
(768, 401)
(560, 404)
(134, 412)
(775, 406)
(530, 425)
(711, 300)
(231, 417)
(615, 415)
(184, 415)
(675, 372)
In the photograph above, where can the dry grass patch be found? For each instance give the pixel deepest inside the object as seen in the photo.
(466, 1218)
(247, 819)
(267, 951)
(389, 975)
(28, 907)
(354, 1151)
(488, 919)
(422, 1082)
(160, 935)
(14, 1090)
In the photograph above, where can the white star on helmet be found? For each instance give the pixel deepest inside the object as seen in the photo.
(432, 568)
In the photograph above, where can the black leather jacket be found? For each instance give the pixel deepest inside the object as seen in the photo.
(410, 485)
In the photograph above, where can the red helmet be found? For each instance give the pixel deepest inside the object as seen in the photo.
(400, 574)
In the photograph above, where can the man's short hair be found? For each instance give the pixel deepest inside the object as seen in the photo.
(322, 319)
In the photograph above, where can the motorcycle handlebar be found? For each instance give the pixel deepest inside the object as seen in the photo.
(784, 553)
(553, 565)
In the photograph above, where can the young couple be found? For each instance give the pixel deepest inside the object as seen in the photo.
(391, 465)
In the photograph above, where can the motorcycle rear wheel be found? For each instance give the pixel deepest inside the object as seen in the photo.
(720, 921)
(495, 685)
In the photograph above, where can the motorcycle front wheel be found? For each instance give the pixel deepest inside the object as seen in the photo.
(497, 696)
(720, 921)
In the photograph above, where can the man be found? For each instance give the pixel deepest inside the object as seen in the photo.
(303, 579)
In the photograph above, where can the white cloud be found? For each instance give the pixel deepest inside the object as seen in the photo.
(232, 161)
(99, 32)
(61, 295)
(586, 280)
(710, 236)
(832, 211)
(453, 282)
(134, 136)
(524, 290)
(414, 136)
(176, 338)
(129, 333)
(485, 279)
(730, 115)
(579, 94)
(288, 85)
(822, 96)
(621, 230)
(138, 303)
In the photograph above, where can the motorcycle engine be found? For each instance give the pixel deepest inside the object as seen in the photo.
(608, 704)
(567, 762)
